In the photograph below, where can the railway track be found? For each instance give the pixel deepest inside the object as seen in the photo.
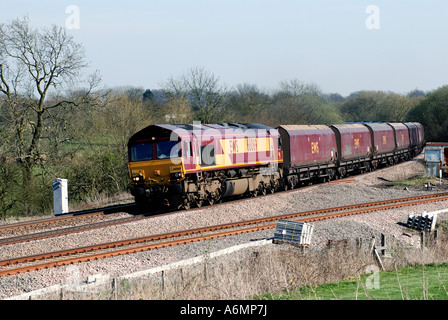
(86, 214)
(73, 216)
(59, 225)
(97, 212)
(68, 230)
(58, 258)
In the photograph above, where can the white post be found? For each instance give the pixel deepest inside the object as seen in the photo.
(60, 196)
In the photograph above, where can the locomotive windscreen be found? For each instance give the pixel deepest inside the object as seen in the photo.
(150, 151)
(141, 152)
(168, 149)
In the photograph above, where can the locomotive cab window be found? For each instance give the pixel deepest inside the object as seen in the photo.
(149, 151)
(168, 149)
(187, 149)
(141, 152)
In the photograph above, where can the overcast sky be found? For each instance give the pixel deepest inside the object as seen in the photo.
(342, 46)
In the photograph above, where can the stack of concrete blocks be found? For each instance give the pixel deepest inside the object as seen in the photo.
(424, 222)
(293, 232)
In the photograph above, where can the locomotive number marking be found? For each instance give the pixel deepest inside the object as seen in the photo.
(234, 148)
(251, 145)
(315, 147)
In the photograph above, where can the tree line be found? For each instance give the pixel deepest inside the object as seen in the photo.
(55, 123)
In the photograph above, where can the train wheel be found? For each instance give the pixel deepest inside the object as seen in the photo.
(211, 200)
(262, 188)
(271, 188)
(342, 172)
(199, 203)
(331, 174)
(214, 197)
(186, 205)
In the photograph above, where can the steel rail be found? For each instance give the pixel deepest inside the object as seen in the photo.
(68, 230)
(45, 221)
(65, 217)
(372, 208)
(93, 226)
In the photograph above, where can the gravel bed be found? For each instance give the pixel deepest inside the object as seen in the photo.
(364, 189)
(82, 221)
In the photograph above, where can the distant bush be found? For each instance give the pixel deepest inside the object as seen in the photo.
(432, 113)
(9, 187)
(96, 175)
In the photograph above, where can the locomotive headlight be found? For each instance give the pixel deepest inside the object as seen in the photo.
(176, 175)
(138, 179)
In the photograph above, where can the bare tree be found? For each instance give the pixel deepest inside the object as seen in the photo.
(296, 88)
(247, 101)
(34, 63)
(203, 90)
(302, 103)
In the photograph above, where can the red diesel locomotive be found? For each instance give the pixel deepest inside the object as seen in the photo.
(182, 165)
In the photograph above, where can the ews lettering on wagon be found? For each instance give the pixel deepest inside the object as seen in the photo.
(315, 147)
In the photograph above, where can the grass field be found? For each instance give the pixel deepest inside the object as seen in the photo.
(416, 182)
(427, 282)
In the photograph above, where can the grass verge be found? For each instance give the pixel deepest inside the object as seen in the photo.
(424, 282)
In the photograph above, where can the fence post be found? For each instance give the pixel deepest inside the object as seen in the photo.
(422, 240)
(372, 244)
(182, 276)
(115, 288)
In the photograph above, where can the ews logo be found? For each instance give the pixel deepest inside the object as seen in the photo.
(315, 147)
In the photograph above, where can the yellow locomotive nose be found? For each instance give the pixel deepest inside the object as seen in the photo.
(156, 172)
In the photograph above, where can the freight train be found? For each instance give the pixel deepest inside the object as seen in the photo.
(183, 165)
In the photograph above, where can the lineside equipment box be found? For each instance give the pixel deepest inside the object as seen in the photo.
(436, 159)
(60, 196)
